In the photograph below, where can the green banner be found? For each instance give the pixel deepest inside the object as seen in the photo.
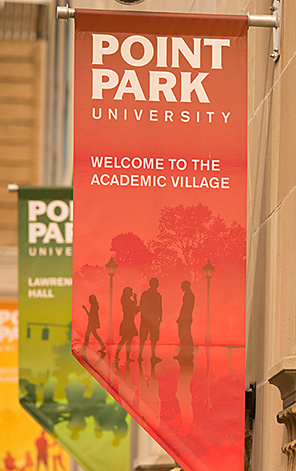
(54, 388)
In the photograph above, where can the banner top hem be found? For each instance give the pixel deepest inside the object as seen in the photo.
(167, 23)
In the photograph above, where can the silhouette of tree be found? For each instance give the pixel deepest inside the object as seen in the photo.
(235, 241)
(90, 273)
(130, 250)
(188, 236)
(167, 261)
(90, 278)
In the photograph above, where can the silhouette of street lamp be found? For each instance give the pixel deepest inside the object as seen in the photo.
(111, 268)
(208, 271)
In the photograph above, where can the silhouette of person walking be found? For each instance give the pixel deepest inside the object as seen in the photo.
(184, 322)
(93, 323)
(127, 328)
(151, 317)
(42, 450)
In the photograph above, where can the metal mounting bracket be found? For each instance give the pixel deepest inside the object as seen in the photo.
(270, 21)
(276, 11)
(13, 187)
(250, 401)
(64, 13)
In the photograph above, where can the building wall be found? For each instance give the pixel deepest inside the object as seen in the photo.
(20, 142)
(271, 224)
(271, 292)
(27, 106)
(20, 125)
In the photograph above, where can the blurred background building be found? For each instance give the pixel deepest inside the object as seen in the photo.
(36, 83)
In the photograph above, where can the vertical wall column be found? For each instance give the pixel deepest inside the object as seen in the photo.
(283, 375)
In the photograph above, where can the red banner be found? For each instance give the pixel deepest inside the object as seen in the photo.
(159, 224)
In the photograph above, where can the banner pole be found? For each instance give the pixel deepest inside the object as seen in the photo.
(64, 13)
(265, 21)
(13, 187)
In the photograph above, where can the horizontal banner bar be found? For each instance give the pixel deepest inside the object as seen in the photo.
(265, 21)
